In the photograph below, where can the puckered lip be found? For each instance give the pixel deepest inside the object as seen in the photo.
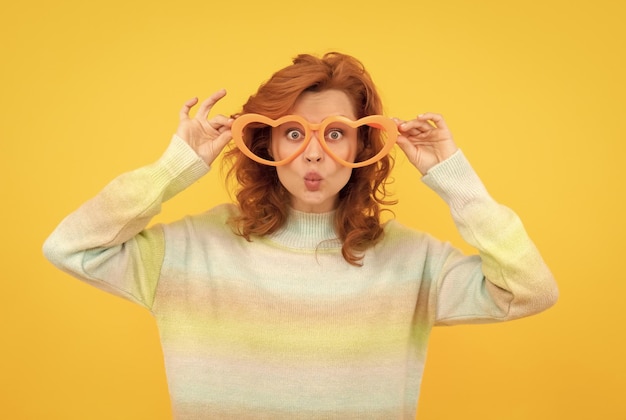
(312, 176)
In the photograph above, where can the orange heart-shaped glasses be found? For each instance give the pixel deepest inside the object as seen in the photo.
(387, 125)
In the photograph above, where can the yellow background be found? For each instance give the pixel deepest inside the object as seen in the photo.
(533, 91)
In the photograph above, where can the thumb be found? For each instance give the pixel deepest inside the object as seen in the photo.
(222, 140)
(410, 150)
(218, 144)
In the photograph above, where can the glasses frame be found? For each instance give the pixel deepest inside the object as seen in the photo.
(377, 121)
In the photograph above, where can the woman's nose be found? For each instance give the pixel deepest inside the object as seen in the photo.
(314, 151)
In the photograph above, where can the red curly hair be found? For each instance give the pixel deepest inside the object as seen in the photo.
(264, 202)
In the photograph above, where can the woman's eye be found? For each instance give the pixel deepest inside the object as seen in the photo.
(334, 135)
(294, 134)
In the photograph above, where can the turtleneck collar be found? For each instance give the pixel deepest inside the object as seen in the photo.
(307, 231)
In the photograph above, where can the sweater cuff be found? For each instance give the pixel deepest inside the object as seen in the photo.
(181, 166)
(455, 181)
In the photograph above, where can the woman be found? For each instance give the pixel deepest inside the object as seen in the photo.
(297, 302)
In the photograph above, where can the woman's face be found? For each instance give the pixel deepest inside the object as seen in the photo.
(314, 179)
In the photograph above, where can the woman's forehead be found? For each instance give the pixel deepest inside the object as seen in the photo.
(315, 106)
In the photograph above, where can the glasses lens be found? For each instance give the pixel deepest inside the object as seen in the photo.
(288, 139)
(373, 142)
(256, 137)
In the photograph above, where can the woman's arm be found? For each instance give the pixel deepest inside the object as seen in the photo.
(508, 279)
(105, 242)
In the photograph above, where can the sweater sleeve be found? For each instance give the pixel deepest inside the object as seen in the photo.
(508, 279)
(105, 242)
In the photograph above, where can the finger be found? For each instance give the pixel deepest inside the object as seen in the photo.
(415, 127)
(220, 121)
(437, 119)
(207, 104)
(184, 111)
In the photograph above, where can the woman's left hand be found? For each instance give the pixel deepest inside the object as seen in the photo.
(425, 140)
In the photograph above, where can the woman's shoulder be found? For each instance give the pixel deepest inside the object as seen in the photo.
(406, 248)
(395, 227)
(222, 211)
(217, 217)
(400, 234)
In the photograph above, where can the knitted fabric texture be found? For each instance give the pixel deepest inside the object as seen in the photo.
(282, 326)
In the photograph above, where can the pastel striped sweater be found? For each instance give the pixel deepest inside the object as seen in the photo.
(282, 327)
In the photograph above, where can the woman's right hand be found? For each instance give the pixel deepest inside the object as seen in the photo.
(206, 137)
